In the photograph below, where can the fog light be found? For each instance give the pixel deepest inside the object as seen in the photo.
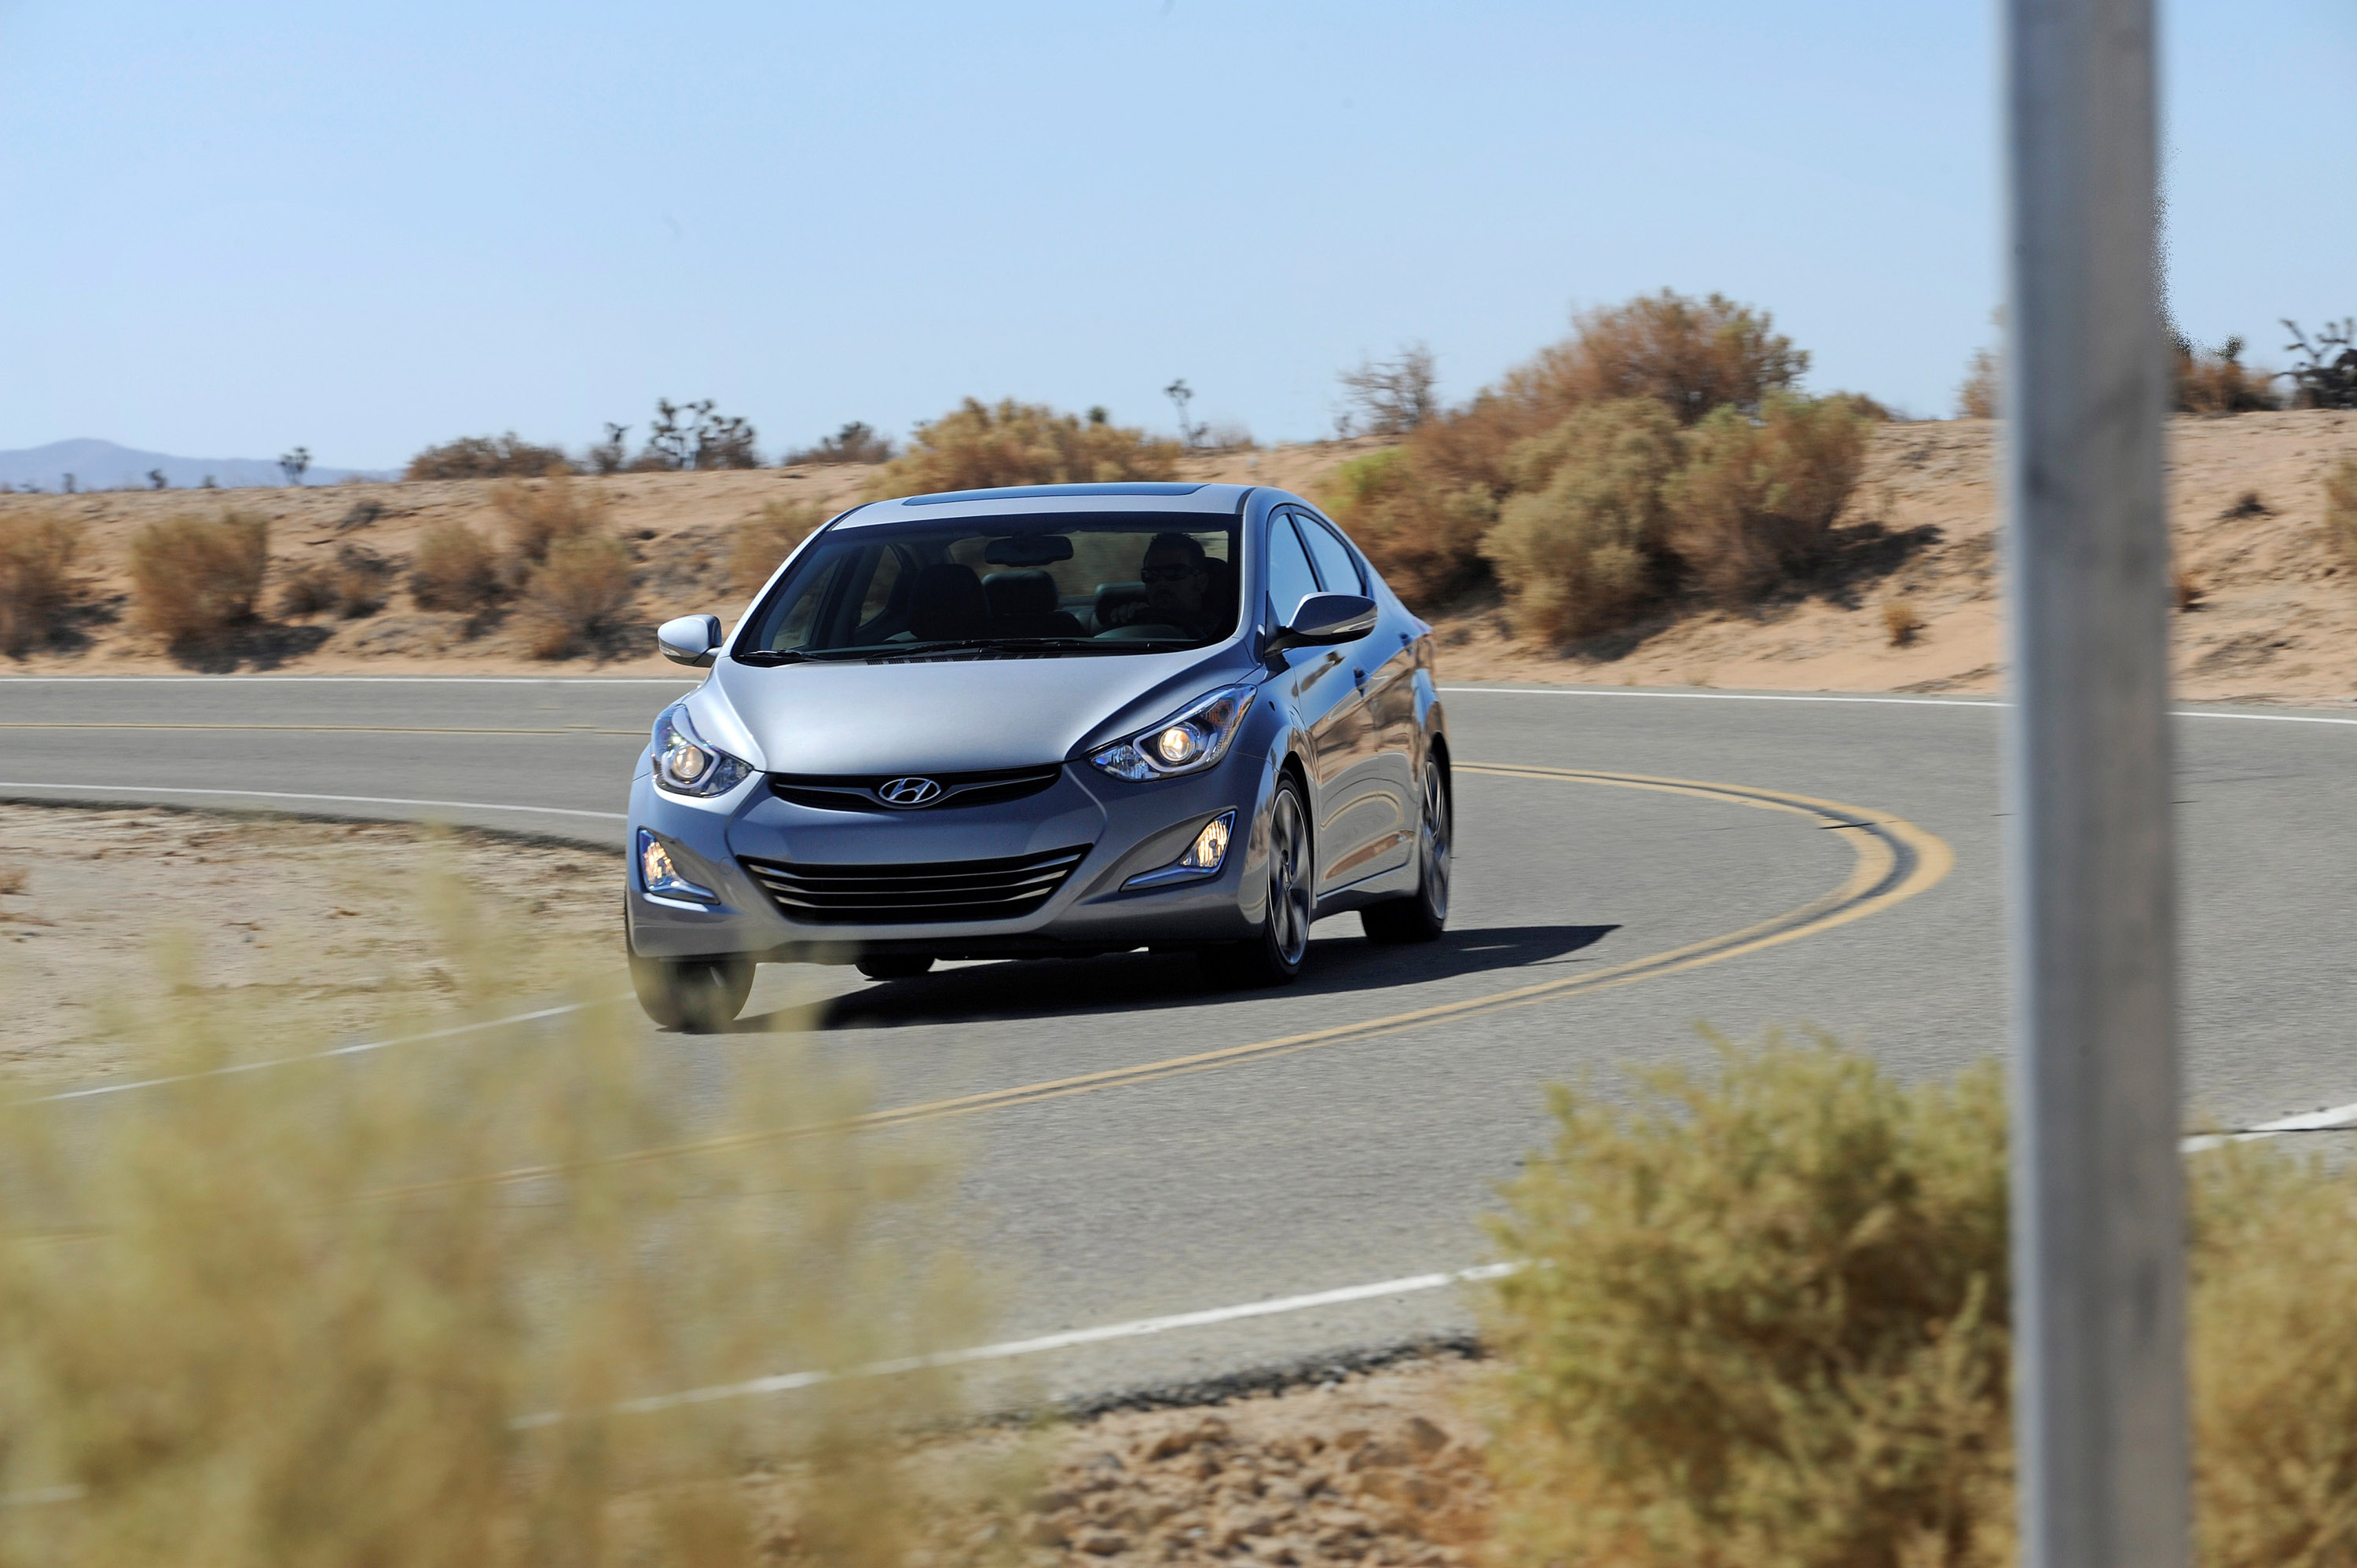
(1211, 847)
(657, 875)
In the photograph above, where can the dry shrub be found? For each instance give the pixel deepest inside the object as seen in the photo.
(1422, 533)
(14, 879)
(455, 569)
(765, 539)
(1692, 356)
(540, 514)
(1758, 497)
(2186, 589)
(1902, 623)
(352, 583)
(2219, 382)
(37, 579)
(576, 595)
(1579, 547)
(2340, 509)
(857, 442)
(979, 447)
(1764, 1322)
(1977, 398)
(194, 578)
(489, 458)
(298, 1315)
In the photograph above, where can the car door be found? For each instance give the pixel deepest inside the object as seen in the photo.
(1382, 667)
(1332, 708)
(1359, 819)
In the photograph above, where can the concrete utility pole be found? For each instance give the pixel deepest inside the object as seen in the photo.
(2099, 1292)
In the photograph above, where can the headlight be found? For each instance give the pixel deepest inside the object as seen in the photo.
(658, 875)
(685, 765)
(1189, 741)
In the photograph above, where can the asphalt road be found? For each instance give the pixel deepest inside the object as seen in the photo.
(1363, 1153)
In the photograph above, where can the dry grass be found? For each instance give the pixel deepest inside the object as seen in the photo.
(194, 578)
(350, 584)
(979, 446)
(1580, 547)
(1977, 398)
(2218, 381)
(2186, 588)
(760, 541)
(298, 1316)
(540, 512)
(455, 569)
(578, 593)
(2340, 510)
(37, 579)
(1902, 623)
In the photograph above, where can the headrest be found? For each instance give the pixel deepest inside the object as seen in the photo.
(1021, 594)
(946, 601)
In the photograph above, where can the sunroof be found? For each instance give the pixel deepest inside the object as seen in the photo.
(1034, 493)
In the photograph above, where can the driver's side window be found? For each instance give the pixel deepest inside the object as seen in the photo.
(1290, 580)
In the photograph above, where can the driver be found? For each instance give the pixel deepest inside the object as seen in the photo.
(1178, 587)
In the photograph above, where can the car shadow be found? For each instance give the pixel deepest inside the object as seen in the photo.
(1121, 983)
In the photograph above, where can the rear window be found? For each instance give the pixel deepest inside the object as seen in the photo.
(1118, 582)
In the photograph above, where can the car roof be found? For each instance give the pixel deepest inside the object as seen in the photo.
(1138, 496)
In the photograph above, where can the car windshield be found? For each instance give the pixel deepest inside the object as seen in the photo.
(1059, 585)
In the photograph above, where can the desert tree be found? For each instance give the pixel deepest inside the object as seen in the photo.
(2328, 378)
(1181, 395)
(295, 464)
(157, 482)
(1392, 397)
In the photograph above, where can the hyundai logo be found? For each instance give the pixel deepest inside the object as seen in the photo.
(909, 793)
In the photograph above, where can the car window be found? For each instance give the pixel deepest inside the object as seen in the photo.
(1290, 580)
(1336, 569)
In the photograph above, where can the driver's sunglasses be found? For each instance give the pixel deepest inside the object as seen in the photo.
(1177, 573)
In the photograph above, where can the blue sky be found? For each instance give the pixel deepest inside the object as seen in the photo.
(233, 228)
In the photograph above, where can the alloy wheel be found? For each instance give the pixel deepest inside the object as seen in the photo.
(1289, 879)
(1433, 843)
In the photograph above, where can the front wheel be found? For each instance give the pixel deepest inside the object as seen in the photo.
(697, 995)
(1273, 957)
(1423, 914)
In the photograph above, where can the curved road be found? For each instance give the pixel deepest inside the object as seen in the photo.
(1136, 1147)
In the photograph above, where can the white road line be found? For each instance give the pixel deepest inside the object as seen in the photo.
(2329, 1119)
(1831, 697)
(342, 799)
(1134, 1329)
(362, 1048)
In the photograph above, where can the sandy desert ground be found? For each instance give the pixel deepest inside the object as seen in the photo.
(2274, 617)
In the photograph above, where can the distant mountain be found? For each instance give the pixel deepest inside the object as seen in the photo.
(103, 466)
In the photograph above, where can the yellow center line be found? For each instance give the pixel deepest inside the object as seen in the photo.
(308, 729)
(1894, 859)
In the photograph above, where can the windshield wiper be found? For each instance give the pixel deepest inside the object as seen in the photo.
(978, 644)
(765, 658)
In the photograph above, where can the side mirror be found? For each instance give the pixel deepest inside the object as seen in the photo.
(1322, 618)
(691, 640)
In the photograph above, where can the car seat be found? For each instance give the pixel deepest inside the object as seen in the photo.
(1025, 604)
(946, 603)
(1112, 598)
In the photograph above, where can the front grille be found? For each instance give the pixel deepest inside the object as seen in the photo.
(944, 890)
(857, 792)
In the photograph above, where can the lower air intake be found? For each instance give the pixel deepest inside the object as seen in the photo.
(928, 894)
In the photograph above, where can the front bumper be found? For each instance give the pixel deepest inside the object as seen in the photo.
(1124, 829)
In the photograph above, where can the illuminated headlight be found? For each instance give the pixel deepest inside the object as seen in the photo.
(1211, 847)
(657, 874)
(686, 765)
(1188, 742)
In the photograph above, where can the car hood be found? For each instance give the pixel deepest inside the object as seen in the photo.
(951, 716)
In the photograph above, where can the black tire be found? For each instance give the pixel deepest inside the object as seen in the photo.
(1423, 914)
(696, 995)
(1274, 956)
(894, 966)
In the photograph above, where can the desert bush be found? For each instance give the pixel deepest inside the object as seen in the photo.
(576, 595)
(2217, 382)
(538, 514)
(1977, 398)
(37, 578)
(352, 583)
(508, 457)
(394, 1310)
(1422, 532)
(1756, 497)
(1763, 1322)
(763, 539)
(193, 579)
(1579, 547)
(1902, 623)
(2326, 374)
(455, 569)
(2340, 509)
(979, 447)
(855, 443)
(692, 435)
